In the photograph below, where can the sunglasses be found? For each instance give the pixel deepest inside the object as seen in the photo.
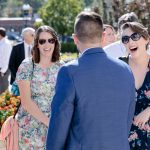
(43, 41)
(134, 37)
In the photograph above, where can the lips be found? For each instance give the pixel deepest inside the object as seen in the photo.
(133, 49)
(46, 49)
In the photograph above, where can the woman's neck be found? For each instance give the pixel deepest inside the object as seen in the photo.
(45, 63)
(140, 61)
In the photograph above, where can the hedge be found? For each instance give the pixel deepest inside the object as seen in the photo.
(68, 47)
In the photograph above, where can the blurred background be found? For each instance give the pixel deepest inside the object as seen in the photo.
(60, 14)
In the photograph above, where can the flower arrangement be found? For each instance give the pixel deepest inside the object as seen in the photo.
(8, 105)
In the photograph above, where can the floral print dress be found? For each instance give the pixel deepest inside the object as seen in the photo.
(32, 133)
(140, 139)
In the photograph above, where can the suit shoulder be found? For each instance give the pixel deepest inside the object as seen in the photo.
(70, 66)
(18, 45)
(71, 63)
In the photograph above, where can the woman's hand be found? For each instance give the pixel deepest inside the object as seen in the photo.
(46, 122)
(141, 119)
(28, 104)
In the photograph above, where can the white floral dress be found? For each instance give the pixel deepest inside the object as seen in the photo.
(32, 133)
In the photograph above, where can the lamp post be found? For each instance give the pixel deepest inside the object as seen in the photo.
(26, 8)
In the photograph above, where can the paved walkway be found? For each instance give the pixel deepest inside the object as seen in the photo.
(2, 146)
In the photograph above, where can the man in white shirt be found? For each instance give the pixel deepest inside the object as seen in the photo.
(117, 49)
(5, 50)
(21, 51)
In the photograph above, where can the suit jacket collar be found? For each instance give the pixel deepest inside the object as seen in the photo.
(93, 50)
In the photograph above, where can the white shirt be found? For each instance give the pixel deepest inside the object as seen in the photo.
(116, 49)
(5, 51)
(26, 47)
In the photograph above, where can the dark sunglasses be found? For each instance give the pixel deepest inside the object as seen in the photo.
(134, 37)
(43, 41)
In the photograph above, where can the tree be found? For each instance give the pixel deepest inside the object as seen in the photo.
(140, 7)
(13, 8)
(88, 2)
(10, 8)
(60, 14)
(35, 4)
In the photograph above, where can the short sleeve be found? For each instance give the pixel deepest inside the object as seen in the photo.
(25, 70)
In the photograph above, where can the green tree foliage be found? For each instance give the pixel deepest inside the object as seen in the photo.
(88, 2)
(10, 8)
(60, 14)
(13, 8)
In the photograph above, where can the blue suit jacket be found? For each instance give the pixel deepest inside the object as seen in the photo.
(93, 106)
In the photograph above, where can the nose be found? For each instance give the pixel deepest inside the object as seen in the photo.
(46, 44)
(130, 40)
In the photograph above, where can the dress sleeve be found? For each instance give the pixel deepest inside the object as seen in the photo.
(24, 70)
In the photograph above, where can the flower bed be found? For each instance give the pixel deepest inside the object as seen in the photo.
(8, 105)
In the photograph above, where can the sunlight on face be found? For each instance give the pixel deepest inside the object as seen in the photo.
(46, 48)
(136, 47)
(109, 37)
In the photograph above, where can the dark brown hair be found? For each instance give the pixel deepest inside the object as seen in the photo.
(35, 50)
(128, 17)
(88, 27)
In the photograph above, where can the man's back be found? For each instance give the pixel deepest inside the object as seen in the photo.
(93, 105)
(103, 94)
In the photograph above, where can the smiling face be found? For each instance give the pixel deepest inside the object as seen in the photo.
(46, 48)
(109, 36)
(136, 46)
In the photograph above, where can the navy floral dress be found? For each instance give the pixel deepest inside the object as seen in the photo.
(140, 139)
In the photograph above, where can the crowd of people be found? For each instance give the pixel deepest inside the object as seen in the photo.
(99, 101)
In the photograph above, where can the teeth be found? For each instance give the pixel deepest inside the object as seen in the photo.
(133, 49)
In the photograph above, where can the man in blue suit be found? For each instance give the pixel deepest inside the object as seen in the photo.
(94, 101)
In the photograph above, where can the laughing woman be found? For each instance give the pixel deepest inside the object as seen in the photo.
(136, 39)
(36, 80)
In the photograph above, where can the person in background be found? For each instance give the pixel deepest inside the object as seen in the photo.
(117, 49)
(93, 105)
(135, 37)
(21, 51)
(36, 79)
(5, 51)
(109, 35)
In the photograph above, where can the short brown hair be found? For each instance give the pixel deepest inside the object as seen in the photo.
(105, 26)
(35, 50)
(88, 27)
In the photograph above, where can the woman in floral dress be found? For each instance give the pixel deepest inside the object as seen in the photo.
(136, 39)
(36, 79)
